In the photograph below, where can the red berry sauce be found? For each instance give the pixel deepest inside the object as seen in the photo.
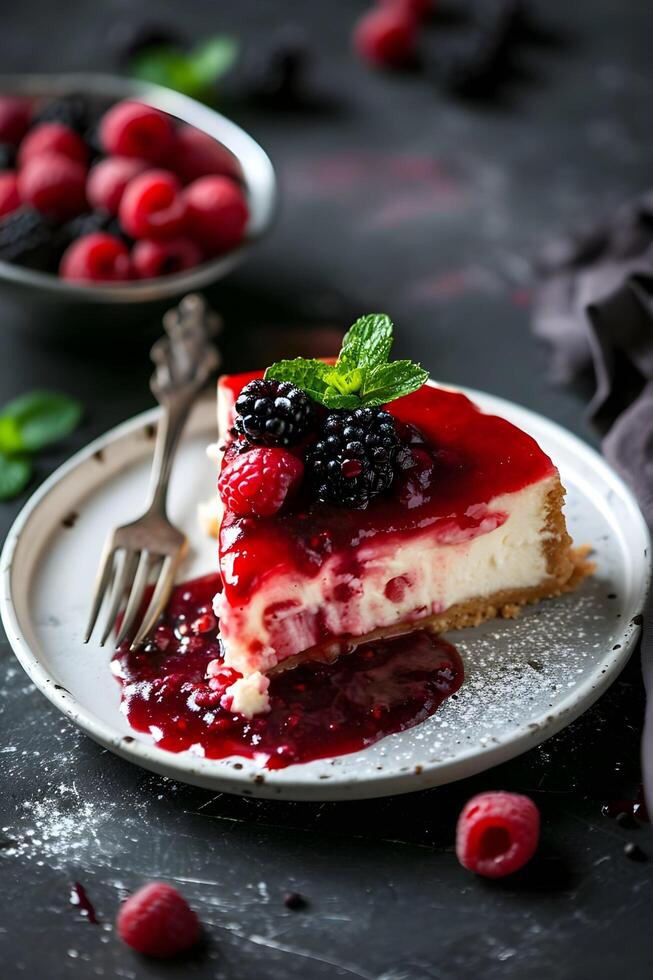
(317, 710)
(81, 901)
(475, 458)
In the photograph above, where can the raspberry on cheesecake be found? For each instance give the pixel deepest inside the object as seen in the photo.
(410, 508)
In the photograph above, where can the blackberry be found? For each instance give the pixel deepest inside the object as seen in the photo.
(273, 413)
(27, 238)
(71, 111)
(355, 457)
(88, 224)
(7, 156)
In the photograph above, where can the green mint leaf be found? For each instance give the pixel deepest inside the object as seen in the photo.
(389, 381)
(15, 474)
(367, 343)
(10, 438)
(307, 373)
(344, 382)
(332, 398)
(191, 74)
(362, 374)
(37, 419)
(164, 65)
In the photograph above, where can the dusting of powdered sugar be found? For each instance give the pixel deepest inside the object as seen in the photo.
(518, 674)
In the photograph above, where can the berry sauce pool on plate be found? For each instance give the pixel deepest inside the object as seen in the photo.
(317, 710)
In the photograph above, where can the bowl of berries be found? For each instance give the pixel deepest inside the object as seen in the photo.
(117, 196)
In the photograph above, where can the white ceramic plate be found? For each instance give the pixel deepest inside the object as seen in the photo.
(525, 679)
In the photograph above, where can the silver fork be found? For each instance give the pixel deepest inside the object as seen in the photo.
(184, 360)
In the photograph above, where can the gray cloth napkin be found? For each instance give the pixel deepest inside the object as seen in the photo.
(594, 307)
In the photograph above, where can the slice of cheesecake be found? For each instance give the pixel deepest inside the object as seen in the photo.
(470, 529)
(476, 536)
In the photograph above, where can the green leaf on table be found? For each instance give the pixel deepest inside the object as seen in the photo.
(162, 65)
(36, 420)
(15, 474)
(213, 58)
(191, 73)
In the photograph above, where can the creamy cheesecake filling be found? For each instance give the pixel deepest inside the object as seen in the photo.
(398, 582)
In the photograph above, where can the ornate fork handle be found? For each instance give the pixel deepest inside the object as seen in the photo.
(184, 361)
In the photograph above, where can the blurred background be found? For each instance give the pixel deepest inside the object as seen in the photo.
(429, 191)
(397, 193)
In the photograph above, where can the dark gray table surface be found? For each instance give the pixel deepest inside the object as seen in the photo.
(396, 199)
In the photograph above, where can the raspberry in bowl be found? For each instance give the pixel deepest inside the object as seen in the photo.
(108, 212)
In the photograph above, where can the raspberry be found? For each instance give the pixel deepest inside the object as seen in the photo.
(259, 482)
(497, 833)
(97, 257)
(157, 921)
(273, 413)
(51, 138)
(14, 119)
(9, 196)
(195, 154)
(54, 184)
(152, 259)
(130, 129)
(354, 457)
(385, 36)
(217, 213)
(153, 206)
(108, 179)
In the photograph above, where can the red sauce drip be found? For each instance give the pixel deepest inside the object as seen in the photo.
(80, 900)
(317, 710)
(476, 457)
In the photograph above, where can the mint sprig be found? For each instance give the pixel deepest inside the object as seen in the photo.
(362, 375)
(27, 425)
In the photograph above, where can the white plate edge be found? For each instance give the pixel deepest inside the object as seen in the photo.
(206, 772)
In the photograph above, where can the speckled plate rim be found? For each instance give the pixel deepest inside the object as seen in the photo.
(299, 782)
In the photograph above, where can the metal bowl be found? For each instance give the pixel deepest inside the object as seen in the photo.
(55, 301)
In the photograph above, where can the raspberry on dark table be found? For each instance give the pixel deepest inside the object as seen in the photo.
(354, 458)
(157, 921)
(273, 413)
(497, 833)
